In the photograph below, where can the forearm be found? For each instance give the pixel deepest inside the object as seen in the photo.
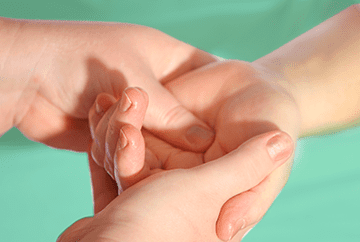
(322, 72)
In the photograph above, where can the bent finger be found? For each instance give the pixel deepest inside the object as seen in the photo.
(130, 109)
(129, 160)
(101, 105)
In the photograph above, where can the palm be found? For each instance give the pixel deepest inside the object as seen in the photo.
(236, 102)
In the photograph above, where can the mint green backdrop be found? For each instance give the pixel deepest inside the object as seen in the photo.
(43, 190)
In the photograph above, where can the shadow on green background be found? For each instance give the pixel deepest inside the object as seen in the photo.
(43, 190)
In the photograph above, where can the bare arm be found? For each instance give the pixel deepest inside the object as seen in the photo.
(322, 71)
(10, 90)
(51, 72)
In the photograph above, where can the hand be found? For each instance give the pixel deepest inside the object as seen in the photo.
(239, 100)
(55, 69)
(120, 120)
(181, 203)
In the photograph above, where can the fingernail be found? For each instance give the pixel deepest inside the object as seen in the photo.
(123, 139)
(99, 109)
(280, 147)
(235, 228)
(125, 102)
(198, 134)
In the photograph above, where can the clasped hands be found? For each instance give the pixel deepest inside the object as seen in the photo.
(236, 101)
(230, 102)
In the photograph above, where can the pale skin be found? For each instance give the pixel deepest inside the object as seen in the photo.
(321, 63)
(52, 71)
(238, 107)
(185, 199)
(282, 67)
(291, 78)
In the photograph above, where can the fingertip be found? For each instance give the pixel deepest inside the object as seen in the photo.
(103, 102)
(129, 156)
(233, 215)
(224, 232)
(101, 105)
(137, 96)
(128, 141)
(132, 107)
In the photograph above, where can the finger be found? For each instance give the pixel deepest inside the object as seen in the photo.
(129, 157)
(130, 109)
(104, 188)
(245, 210)
(101, 105)
(99, 125)
(98, 149)
(246, 166)
(170, 121)
(99, 137)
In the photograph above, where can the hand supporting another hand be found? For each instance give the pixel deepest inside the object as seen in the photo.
(181, 204)
(53, 70)
(239, 101)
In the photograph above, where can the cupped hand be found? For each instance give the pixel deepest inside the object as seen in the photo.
(118, 129)
(181, 204)
(240, 100)
(66, 64)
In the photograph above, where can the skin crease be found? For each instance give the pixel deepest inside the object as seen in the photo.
(237, 103)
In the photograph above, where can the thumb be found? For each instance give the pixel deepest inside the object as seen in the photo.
(169, 120)
(245, 167)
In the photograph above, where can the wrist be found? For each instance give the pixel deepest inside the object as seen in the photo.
(320, 69)
(10, 88)
(18, 60)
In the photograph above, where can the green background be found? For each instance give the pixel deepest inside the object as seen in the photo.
(43, 190)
